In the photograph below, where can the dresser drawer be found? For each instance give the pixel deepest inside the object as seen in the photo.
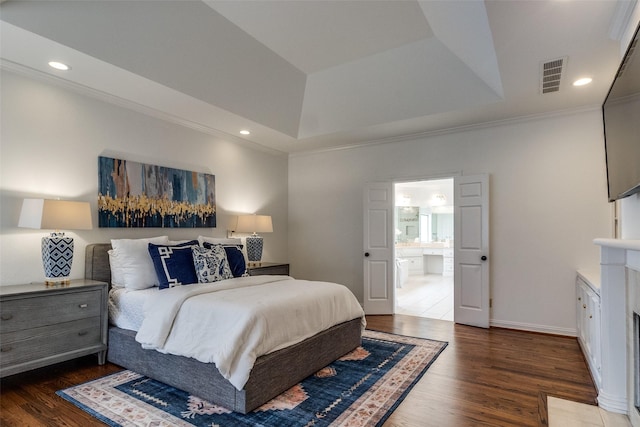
(432, 251)
(275, 269)
(37, 343)
(37, 311)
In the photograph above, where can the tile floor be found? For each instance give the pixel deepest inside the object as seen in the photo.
(429, 295)
(564, 413)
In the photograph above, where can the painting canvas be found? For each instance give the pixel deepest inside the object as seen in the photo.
(133, 194)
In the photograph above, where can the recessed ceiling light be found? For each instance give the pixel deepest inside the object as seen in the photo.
(245, 132)
(582, 81)
(59, 66)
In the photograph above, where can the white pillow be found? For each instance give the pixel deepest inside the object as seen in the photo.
(219, 241)
(178, 242)
(117, 274)
(131, 264)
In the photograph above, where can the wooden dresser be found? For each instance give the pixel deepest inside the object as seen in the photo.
(41, 325)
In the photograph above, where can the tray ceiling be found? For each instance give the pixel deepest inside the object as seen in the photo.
(309, 75)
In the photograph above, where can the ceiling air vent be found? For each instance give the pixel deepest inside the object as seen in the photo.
(550, 74)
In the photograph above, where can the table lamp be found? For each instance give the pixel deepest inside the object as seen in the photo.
(57, 250)
(254, 224)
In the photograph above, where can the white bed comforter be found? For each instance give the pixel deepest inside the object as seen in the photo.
(233, 322)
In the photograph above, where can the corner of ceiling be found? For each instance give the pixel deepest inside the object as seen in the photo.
(463, 27)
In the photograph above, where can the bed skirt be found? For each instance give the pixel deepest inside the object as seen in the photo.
(271, 375)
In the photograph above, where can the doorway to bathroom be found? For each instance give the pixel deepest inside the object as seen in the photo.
(424, 223)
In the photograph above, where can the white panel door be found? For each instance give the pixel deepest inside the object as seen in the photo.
(378, 248)
(471, 243)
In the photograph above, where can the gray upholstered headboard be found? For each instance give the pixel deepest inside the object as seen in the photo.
(96, 262)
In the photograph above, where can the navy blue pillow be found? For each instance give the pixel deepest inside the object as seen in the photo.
(237, 263)
(174, 264)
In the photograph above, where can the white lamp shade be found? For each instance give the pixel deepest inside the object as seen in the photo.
(254, 224)
(55, 215)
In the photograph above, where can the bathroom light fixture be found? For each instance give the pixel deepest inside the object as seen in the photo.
(583, 81)
(438, 199)
(59, 66)
(245, 132)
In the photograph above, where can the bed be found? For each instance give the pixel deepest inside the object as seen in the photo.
(271, 374)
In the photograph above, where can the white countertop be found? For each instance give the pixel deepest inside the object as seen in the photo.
(592, 278)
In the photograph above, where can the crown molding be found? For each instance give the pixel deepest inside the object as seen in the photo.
(621, 18)
(131, 105)
(454, 129)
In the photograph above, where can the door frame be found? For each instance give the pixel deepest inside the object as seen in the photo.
(394, 181)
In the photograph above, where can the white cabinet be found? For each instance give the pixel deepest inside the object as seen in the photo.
(447, 262)
(413, 256)
(415, 264)
(426, 260)
(588, 323)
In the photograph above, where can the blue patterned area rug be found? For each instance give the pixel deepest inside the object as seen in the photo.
(362, 388)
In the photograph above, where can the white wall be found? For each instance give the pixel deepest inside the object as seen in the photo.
(548, 202)
(50, 142)
(630, 217)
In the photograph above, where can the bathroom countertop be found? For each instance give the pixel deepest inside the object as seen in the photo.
(431, 245)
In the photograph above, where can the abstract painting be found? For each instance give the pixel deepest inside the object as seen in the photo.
(133, 194)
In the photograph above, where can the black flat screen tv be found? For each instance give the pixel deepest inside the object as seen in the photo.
(621, 114)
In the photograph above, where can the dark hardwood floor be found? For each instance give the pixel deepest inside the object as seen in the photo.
(494, 377)
(488, 377)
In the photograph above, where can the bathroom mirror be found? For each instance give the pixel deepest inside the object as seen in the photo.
(407, 224)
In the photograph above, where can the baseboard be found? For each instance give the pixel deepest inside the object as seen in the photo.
(530, 327)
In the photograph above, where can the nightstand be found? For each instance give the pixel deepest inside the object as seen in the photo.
(41, 325)
(270, 268)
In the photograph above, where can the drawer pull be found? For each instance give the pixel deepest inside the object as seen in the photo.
(584, 305)
(83, 305)
(83, 333)
(7, 316)
(5, 349)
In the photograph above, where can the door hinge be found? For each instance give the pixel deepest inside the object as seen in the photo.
(490, 302)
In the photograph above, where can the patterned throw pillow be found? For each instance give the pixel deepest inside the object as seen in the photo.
(174, 264)
(211, 264)
(235, 257)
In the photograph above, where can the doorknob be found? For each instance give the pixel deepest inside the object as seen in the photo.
(483, 257)
(366, 254)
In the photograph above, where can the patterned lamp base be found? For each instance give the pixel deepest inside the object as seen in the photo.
(57, 256)
(254, 248)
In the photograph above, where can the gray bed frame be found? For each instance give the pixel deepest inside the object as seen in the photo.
(271, 375)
